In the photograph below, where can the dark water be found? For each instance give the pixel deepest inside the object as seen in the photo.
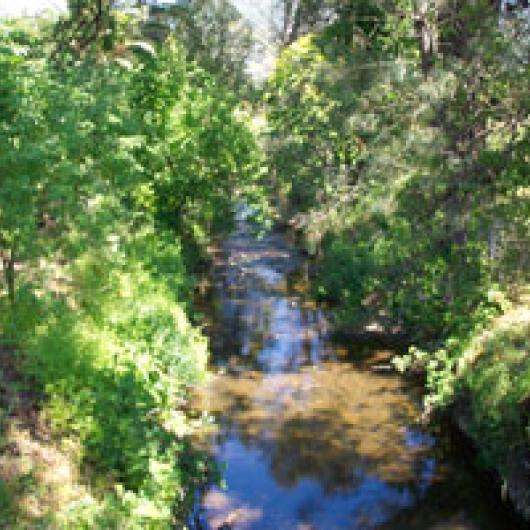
(312, 435)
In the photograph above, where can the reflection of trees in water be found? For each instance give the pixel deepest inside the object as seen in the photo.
(441, 509)
(459, 498)
(330, 423)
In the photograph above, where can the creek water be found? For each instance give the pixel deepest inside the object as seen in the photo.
(312, 434)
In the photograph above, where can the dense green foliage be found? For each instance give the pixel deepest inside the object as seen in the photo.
(401, 151)
(117, 165)
(398, 142)
(218, 39)
(495, 371)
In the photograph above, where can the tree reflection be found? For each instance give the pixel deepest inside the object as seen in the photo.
(329, 423)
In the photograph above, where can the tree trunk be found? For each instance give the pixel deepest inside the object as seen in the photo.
(426, 33)
(8, 264)
(291, 21)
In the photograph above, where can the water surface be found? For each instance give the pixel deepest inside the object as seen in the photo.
(314, 435)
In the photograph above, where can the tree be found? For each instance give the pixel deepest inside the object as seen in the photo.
(213, 34)
(21, 156)
(363, 134)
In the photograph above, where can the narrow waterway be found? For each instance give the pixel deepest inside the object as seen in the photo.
(312, 434)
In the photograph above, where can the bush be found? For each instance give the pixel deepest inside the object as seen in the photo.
(114, 360)
(497, 382)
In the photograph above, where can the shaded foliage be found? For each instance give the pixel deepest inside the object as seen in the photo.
(402, 156)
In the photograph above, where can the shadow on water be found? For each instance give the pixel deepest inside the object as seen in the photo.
(309, 437)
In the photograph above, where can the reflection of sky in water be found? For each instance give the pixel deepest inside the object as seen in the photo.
(284, 349)
(249, 484)
(259, 318)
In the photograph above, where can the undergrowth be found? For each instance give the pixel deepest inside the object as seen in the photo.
(112, 360)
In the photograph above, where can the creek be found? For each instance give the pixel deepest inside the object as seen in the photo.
(313, 434)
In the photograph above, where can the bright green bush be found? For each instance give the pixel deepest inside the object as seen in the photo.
(497, 383)
(115, 374)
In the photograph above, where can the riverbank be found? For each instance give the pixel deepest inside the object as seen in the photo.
(94, 427)
(486, 393)
(491, 403)
(121, 154)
